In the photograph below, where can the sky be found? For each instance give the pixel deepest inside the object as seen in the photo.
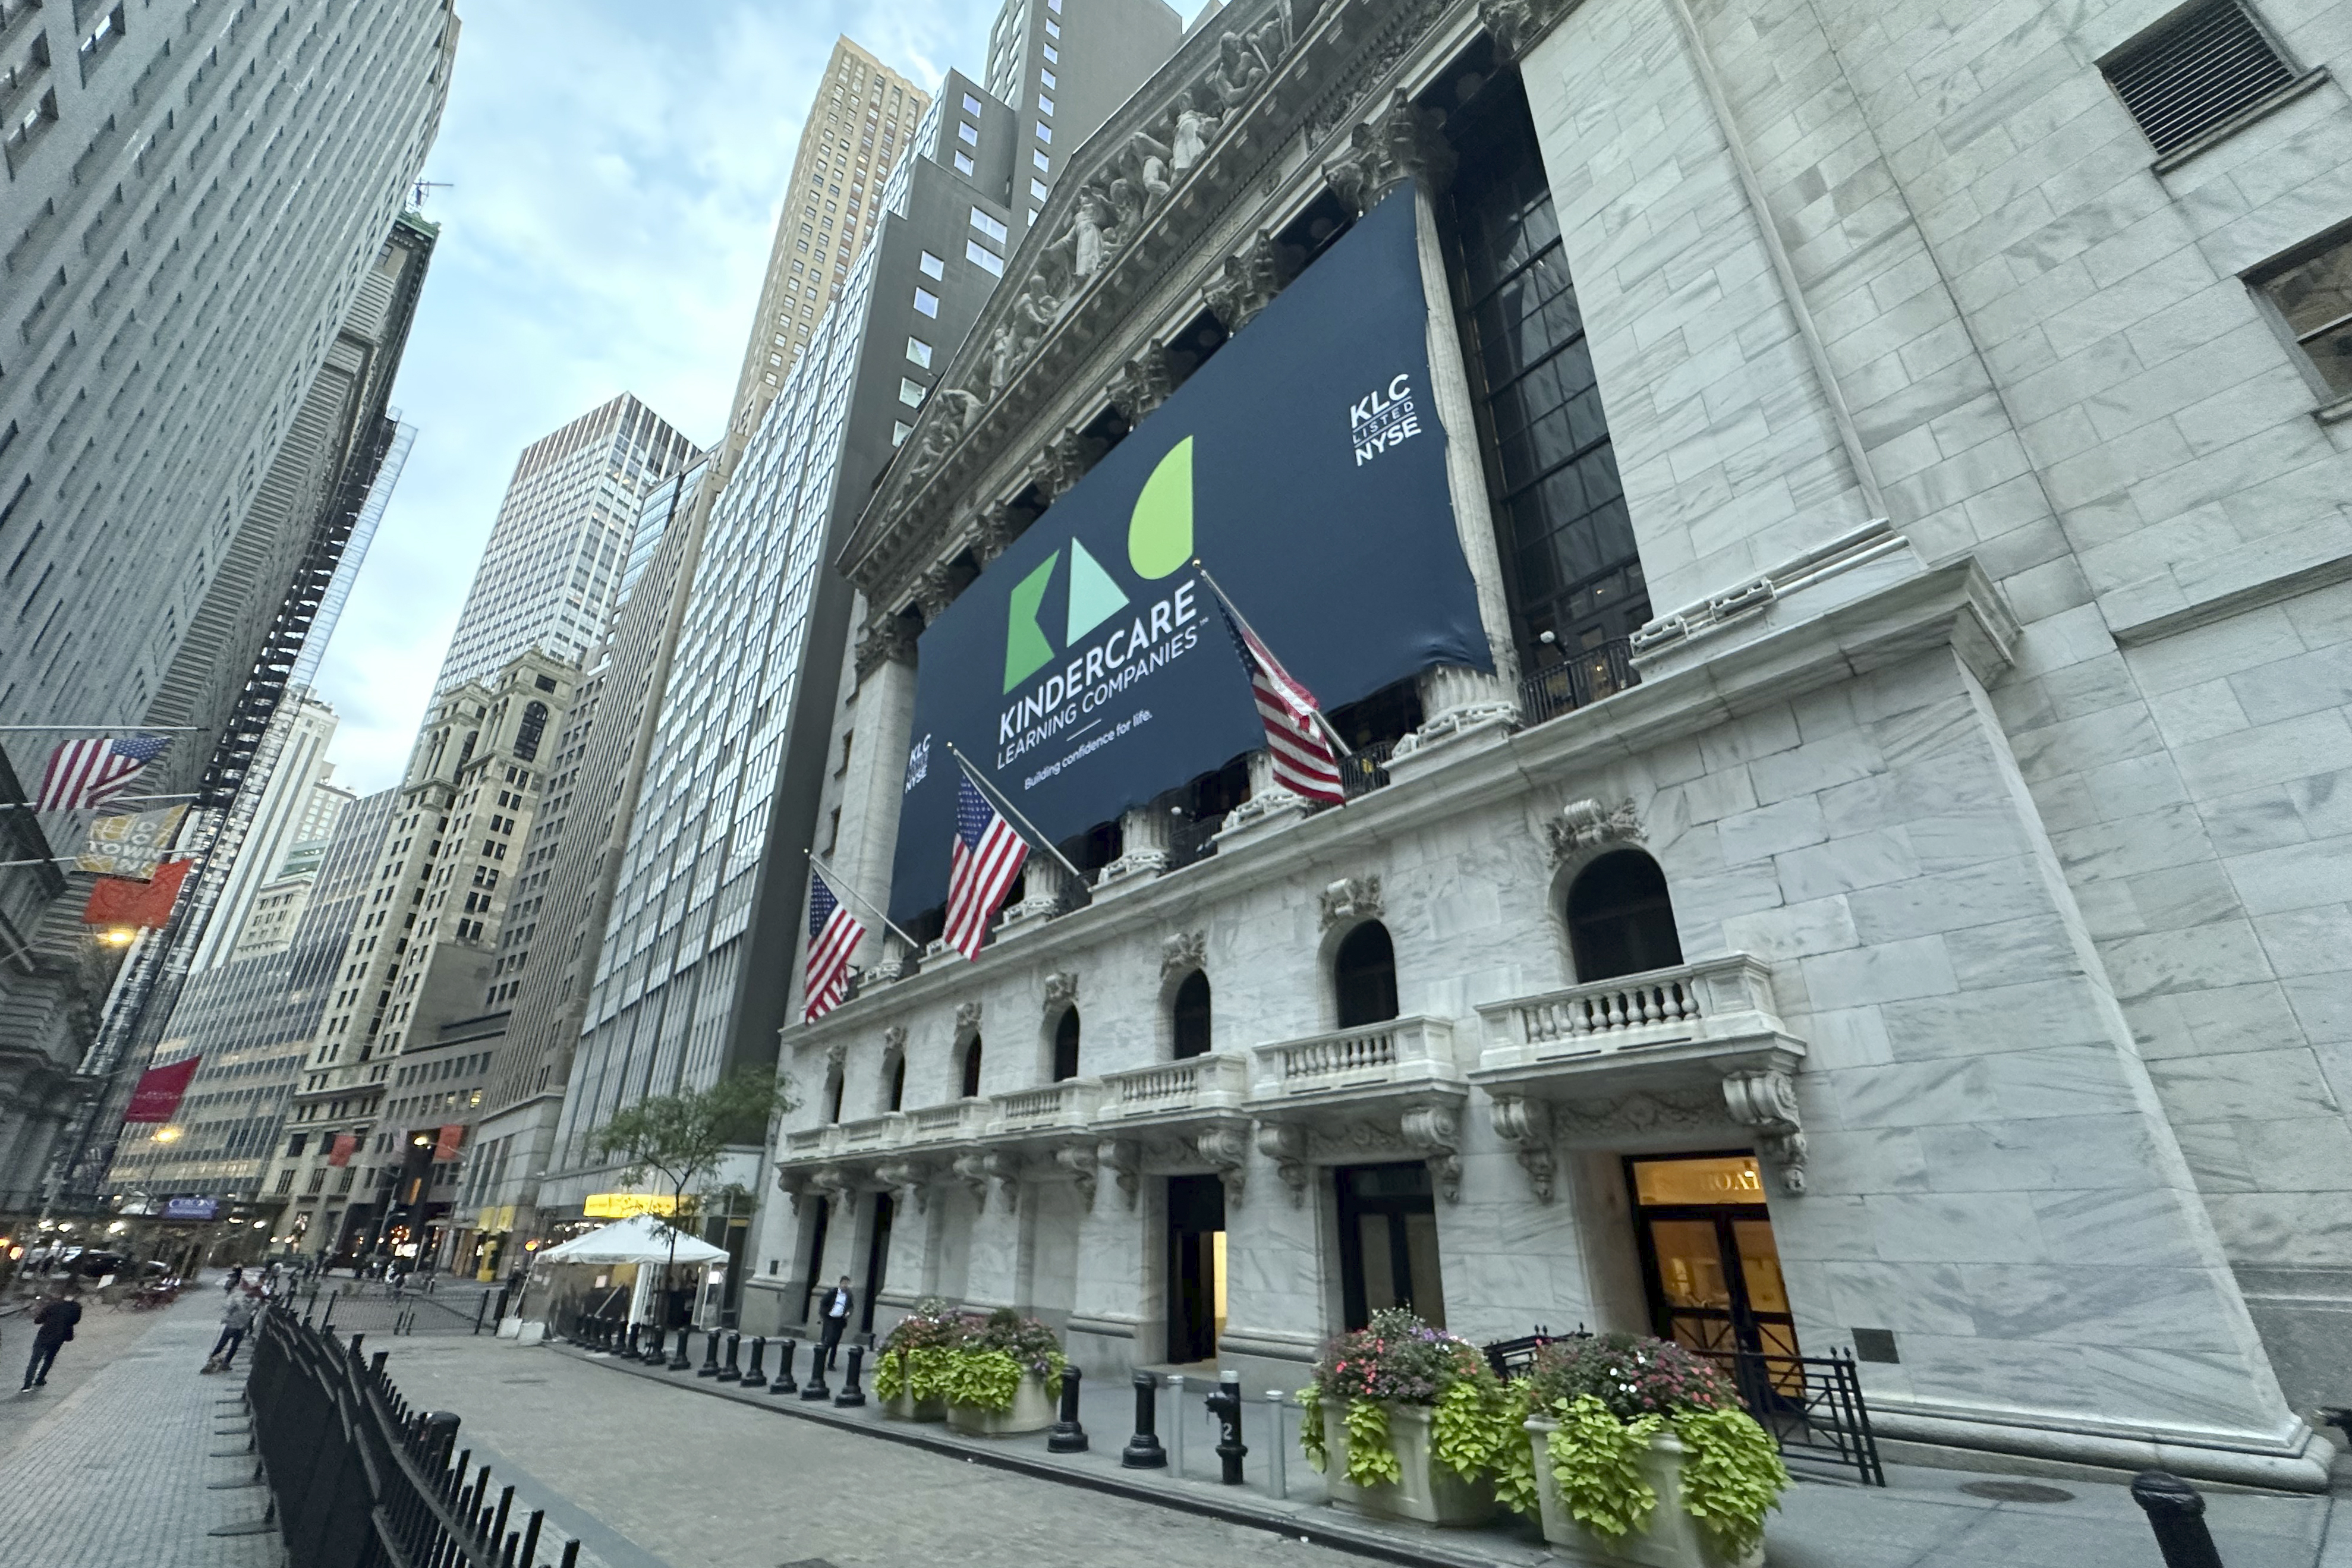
(613, 174)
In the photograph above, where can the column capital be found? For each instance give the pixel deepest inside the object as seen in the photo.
(1401, 143)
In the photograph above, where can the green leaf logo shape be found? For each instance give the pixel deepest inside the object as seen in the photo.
(1094, 598)
(1026, 651)
(1160, 534)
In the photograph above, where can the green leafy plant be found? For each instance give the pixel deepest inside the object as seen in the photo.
(1594, 1462)
(1371, 1456)
(985, 1366)
(913, 1357)
(1310, 1426)
(1732, 1478)
(985, 1380)
(1479, 1428)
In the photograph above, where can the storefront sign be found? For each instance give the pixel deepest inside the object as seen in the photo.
(1088, 668)
(621, 1205)
(130, 843)
(192, 1208)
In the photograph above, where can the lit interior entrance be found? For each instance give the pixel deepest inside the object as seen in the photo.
(1196, 1267)
(1713, 1269)
(1388, 1242)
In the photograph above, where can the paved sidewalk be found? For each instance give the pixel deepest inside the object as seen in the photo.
(733, 1477)
(120, 1470)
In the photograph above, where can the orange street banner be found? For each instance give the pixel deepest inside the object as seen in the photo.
(120, 902)
(345, 1145)
(131, 843)
(446, 1146)
(159, 1091)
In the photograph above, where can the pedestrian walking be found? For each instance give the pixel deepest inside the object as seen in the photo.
(836, 1320)
(243, 1307)
(230, 1286)
(52, 1325)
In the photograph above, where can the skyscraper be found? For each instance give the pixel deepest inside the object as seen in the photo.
(857, 131)
(194, 211)
(556, 554)
(1065, 73)
(283, 814)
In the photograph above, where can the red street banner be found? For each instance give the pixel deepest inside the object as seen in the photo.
(446, 1146)
(120, 901)
(345, 1145)
(158, 1094)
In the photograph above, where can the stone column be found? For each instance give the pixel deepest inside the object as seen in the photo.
(1403, 144)
(1042, 885)
(1269, 805)
(881, 717)
(1143, 855)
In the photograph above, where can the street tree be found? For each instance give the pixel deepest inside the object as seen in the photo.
(679, 1139)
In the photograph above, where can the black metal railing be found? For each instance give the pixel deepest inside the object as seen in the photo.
(1812, 1405)
(1586, 678)
(1194, 839)
(1366, 769)
(358, 1478)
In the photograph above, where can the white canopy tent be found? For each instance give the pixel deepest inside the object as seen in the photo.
(642, 1242)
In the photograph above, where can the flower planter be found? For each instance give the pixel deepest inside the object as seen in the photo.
(1427, 1490)
(905, 1406)
(1033, 1411)
(1672, 1539)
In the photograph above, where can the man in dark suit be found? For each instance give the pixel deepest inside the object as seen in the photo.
(837, 1304)
(52, 1325)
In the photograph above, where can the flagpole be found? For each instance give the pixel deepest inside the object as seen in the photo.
(833, 879)
(1227, 600)
(972, 771)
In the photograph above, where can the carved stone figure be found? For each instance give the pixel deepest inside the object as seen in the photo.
(1238, 71)
(1585, 824)
(1349, 899)
(1090, 225)
(1143, 383)
(1182, 953)
(967, 1017)
(1061, 991)
(1196, 126)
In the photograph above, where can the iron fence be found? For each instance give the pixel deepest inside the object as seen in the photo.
(1365, 769)
(1587, 676)
(359, 1479)
(1194, 839)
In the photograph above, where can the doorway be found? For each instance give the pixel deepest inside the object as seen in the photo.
(1196, 1267)
(1707, 1253)
(877, 1261)
(1388, 1242)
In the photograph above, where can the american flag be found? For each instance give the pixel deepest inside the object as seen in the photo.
(988, 855)
(88, 773)
(834, 935)
(1303, 763)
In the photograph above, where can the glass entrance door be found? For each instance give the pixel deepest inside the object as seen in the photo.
(1388, 1242)
(1713, 1270)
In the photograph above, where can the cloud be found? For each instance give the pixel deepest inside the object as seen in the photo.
(614, 173)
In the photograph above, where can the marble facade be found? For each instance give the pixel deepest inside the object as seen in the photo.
(1988, 736)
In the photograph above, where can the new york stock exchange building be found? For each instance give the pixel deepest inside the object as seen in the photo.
(1821, 530)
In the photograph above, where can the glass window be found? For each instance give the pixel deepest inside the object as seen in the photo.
(964, 162)
(969, 131)
(1045, 165)
(970, 104)
(932, 266)
(927, 302)
(910, 392)
(1037, 190)
(1052, 29)
(1054, 6)
(987, 224)
(1053, 54)
(1045, 132)
(2315, 298)
(919, 351)
(1045, 105)
(1046, 80)
(899, 431)
(976, 252)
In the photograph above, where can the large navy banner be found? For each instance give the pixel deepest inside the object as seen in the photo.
(1087, 671)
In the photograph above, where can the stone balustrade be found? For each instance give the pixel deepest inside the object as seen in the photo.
(1066, 1105)
(1216, 1081)
(1714, 999)
(1399, 1053)
(953, 1122)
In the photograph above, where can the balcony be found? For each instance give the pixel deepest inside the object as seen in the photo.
(957, 1121)
(1067, 1107)
(1590, 677)
(1174, 1092)
(1399, 1054)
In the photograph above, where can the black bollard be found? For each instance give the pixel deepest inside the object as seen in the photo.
(733, 1371)
(709, 1367)
(814, 1388)
(1143, 1451)
(2176, 1513)
(1225, 1405)
(630, 1347)
(786, 1349)
(680, 1361)
(1067, 1437)
(754, 1376)
(657, 1346)
(850, 1392)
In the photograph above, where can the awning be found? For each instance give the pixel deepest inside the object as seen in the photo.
(640, 1238)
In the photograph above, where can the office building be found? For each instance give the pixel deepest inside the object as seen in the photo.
(251, 1019)
(556, 553)
(713, 875)
(860, 127)
(1859, 866)
(184, 254)
(295, 806)
(1062, 72)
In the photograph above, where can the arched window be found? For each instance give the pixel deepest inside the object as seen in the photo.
(971, 1068)
(897, 1078)
(535, 725)
(1192, 1017)
(1619, 920)
(1364, 976)
(1066, 1045)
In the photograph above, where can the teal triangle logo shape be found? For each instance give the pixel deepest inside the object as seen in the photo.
(1094, 598)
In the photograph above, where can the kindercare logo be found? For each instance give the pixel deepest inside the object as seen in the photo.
(1383, 418)
(1144, 634)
